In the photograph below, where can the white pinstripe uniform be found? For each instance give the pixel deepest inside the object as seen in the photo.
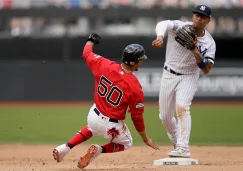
(177, 91)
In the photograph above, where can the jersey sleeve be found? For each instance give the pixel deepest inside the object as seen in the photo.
(163, 26)
(137, 100)
(137, 108)
(95, 62)
(168, 25)
(210, 54)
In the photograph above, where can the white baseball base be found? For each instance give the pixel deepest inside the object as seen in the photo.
(176, 161)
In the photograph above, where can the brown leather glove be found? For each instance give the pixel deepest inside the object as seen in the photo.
(186, 36)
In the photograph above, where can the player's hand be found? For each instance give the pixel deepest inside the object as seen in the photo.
(94, 38)
(195, 43)
(195, 51)
(152, 144)
(158, 42)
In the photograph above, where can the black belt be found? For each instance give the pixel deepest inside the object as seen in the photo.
(171, 71)
(111, 120)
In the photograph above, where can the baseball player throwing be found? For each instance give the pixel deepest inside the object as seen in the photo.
(116, 89)
(190, 48)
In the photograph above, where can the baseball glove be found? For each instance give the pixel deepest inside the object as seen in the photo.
(94, 38)
(186, 36)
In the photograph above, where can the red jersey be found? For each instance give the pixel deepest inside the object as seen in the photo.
(115, 89)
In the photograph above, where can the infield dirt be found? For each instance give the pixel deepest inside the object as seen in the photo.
(39, 158)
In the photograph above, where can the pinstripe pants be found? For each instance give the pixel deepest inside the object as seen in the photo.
(176, 94)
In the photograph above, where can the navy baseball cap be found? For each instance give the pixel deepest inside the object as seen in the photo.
(202, 9)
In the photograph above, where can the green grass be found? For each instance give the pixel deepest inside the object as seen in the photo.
(211, 125)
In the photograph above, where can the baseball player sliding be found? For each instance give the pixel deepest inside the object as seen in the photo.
(190, 48)
(116, 89)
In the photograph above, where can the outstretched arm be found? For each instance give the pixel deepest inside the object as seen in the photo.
(92, 59)
(164, 26)
(161, 29)
(138, 122)
(92, 40)
(88, 50)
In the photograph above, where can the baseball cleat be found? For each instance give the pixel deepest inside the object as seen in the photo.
(93, 151)
(60, 152)
(179, 152)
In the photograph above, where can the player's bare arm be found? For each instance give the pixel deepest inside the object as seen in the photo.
(138, 122)
(158, 42)
(148, 141)
(203, 63)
